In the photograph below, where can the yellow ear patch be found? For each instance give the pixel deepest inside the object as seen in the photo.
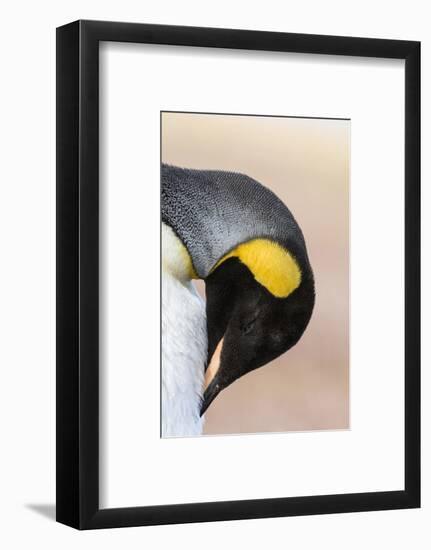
(271, 265)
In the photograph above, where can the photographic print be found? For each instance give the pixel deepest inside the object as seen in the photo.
(255, 274)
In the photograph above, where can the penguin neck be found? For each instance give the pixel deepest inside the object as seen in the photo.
(184, 341)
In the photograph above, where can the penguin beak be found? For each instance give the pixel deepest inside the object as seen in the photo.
(212, 384)
(210, 394)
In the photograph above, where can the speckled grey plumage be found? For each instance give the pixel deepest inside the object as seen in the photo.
(213, 211)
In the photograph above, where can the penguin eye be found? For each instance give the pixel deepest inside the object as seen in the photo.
(247, 326)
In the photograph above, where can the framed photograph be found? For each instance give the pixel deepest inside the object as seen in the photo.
(238, 274)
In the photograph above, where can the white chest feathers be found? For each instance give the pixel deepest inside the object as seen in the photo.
(184, 342)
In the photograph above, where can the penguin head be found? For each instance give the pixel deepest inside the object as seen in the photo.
(258, 306)
(247, 246)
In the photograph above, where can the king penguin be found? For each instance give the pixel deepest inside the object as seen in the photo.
(241, 239)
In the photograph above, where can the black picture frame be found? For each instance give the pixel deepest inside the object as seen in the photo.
(78, 273)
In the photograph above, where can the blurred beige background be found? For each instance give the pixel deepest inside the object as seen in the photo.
(306, 163)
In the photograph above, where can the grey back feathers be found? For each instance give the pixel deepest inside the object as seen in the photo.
(213, 211)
